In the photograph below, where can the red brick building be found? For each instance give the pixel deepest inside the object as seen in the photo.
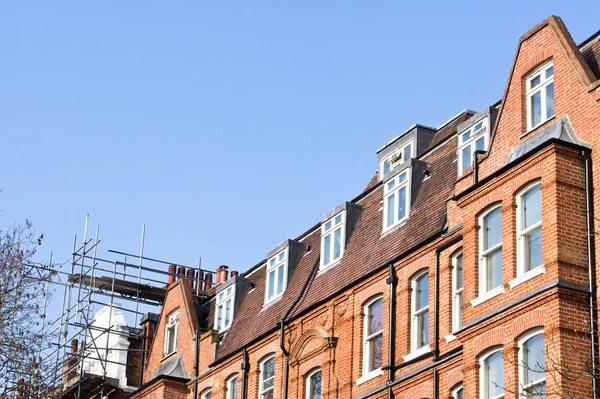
(440, 280)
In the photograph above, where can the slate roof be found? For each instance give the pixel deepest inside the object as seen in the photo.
(172, 368)
(366, 251)
(591, 53)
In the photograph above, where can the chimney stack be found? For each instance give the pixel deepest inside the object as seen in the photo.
(172, 270)
(74, 344)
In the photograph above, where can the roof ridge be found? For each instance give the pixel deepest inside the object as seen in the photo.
(589, 41)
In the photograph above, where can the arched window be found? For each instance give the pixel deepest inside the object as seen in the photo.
(373, 335)
(267, 378)
(458, 392)
(529, 228)
(313, 384)
(206, 394)
(491, 375)
(490, 250)
(420, 311)
(532, 362)
(457, 291)
(232, 387)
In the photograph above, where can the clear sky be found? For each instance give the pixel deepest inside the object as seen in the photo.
(227, 127)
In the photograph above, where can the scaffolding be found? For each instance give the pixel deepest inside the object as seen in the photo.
(80, 363)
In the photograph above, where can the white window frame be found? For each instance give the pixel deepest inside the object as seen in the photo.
(206, 394)
(483, 382)
(330, 232)
(273, 265)
(226, 295)
(368, 338)
(476, 131)
(308, 381)
(541, 88)
(415, 331)
(456, 390)
(171, 332)
(484, 292)
(457, 292)
(522, 232)
(522, 367)
(262, 392)
(391, 188)
(232, 393)
(393, 160)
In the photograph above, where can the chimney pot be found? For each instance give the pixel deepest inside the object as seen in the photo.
(190, 277)
(199, 280)
(172, 270)
(207, 281)
(180, 272)
(222, 274)
(234, 273)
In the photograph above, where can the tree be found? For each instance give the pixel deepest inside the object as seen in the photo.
(23, 293)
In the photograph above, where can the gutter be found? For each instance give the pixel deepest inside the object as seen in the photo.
(591, 255)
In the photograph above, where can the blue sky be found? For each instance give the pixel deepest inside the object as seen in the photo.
(227, 127)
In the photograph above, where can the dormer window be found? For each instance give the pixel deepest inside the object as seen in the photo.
(540, 95)
(396, 200)
(224, 309)
(332, 240)
(276, 275)
(475, 138)
(402, 154)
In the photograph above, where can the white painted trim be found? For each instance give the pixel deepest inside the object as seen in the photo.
(367, 339)
(416, 353)
(450, 337)
(415, 313)
(527, 276)
(483, 376)
(307, 381)
(483, 293)
(330, 232)
(275, 267)
(521, 232)
(369, 376)
(487, 296)
(541, 88)
(521, 360)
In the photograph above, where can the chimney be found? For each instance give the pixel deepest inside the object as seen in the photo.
(74, 344)
(190, 277)
(180, 272)
(222, 274)
(234, 273)
(199, 280)
(172, 270)
(207, 281)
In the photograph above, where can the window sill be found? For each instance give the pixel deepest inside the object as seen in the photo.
(487, 296)
(369, 376)
(416, 353)
(389, 230)
(528, 132)
(271, 302)
(165, 357)
(527, 276)
(325, 269)
(450, 337)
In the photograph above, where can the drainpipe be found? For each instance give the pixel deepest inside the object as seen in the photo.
(392, 281)
(476, 155)
(143, 357)
(286, 370)
(197, 363)
(591, 254)
(436, 304)
(245, 370)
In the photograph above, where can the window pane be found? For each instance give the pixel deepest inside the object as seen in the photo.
(479, 144)
(407, 154)
(465, 136)
(376, 351)
(478, 126)
(271, 281)
(459, 271)
(315, 386)
(269, 371)
(280, 279)
(402, 203)
(536, 109)
(338, 219)
(386, 167)
(533, 249)
(402, 177)
(326, 249)
(375, 314)
(281, 256)
(493, 229)
(219, 316)
(535, 81)
(423, 329)
(534, 358)
(391, 201)
(391, 184)
(268, 395)
(466, 158)
(532, 207)
(550, 100)
(460, 394)
(337, 244)
(459, 311)
(494, 269)
(233, 388)
(227, 313)
(328, 225)
(422, 295)
(550, 72)
(494, 369)
(537, 392)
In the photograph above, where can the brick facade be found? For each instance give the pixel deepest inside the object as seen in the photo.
(325, 329)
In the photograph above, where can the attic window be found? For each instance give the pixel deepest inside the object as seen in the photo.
(403, 153)
(332, 240)
(396, 200)
(224, 309)
(171, 333)
(276, 275)
(540, 95)
(475, 138)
